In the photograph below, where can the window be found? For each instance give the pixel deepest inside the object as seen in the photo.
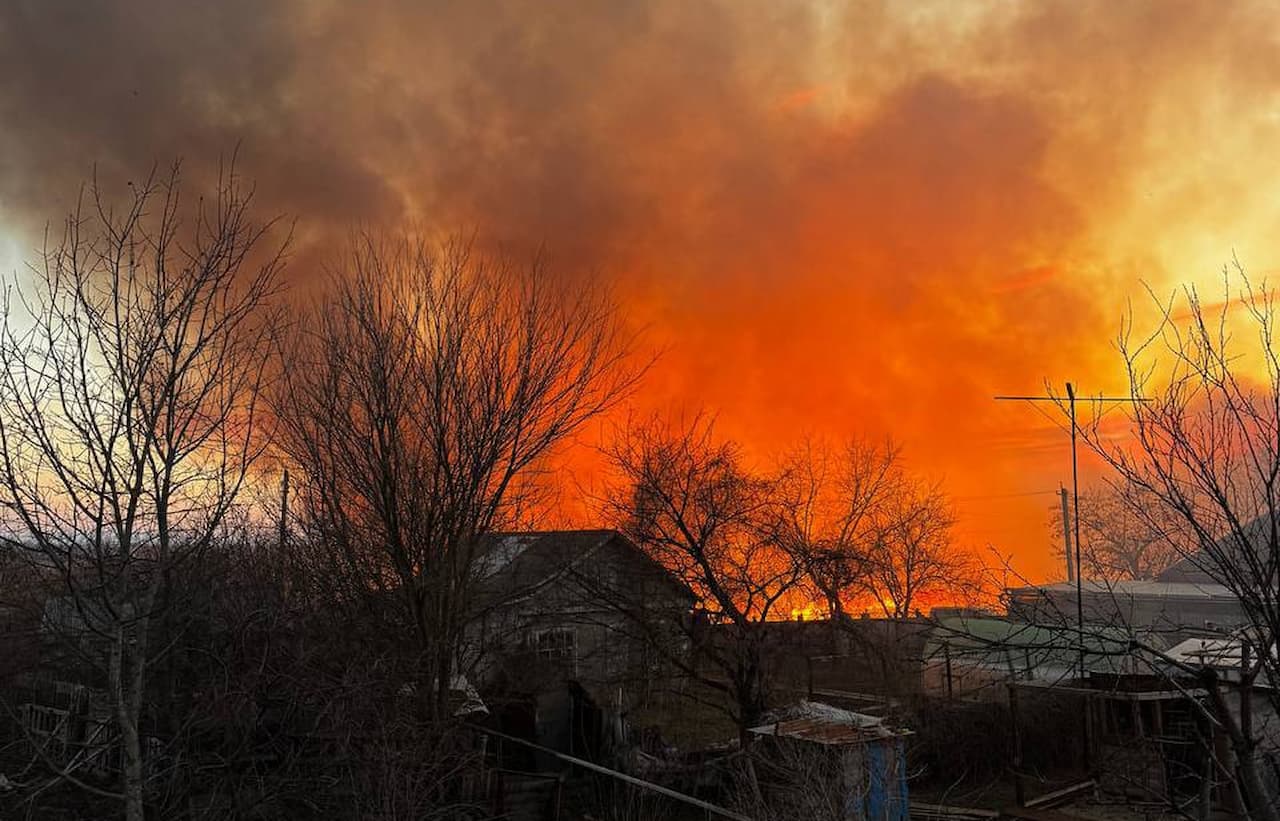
(558, 645)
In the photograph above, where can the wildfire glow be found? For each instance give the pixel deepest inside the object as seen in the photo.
(831, 219)
(809, 612)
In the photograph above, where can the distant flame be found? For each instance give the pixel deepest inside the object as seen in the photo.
(808, 612)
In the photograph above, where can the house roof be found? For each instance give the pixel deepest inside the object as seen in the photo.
(514, 565)
(823, 724)
(1027, 649)
(1196, 567)
(1134, 588)
(531, 557)
(1209, 652)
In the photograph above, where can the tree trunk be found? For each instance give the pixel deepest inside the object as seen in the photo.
(1262, 805)
(129, 659)
(131, 771)
(127, 698)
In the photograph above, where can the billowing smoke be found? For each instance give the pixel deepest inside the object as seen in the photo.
(834, 217)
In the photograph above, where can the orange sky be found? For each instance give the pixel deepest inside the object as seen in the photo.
(833, 218)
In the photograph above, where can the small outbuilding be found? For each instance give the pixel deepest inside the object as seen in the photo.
(821, 762)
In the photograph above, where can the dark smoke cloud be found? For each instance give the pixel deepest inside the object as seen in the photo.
(836, 217)
(124, 86)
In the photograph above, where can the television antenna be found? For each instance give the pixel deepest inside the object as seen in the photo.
(1075, 509)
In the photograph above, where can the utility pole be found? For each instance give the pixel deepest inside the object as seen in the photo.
(1066, 535)
(1075, 515)
(1075, 518)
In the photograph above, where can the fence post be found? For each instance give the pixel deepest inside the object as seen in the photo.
(1246, 691)
(1018, 788)
(946, 657)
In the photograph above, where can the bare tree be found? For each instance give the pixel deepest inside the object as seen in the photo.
(1204, 448)
(828, 512)
(913, 558)
(1122, 534)
(852, 528)
(687, 498)
(871, 534)
(416, 407)
(131, 376)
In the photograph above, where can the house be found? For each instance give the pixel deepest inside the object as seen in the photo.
(1174, 609)
(1195, 566)
(1185, 600)
(569, 627)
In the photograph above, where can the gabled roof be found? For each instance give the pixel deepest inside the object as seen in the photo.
(511, 566)
(522, 560)
(1196, 567)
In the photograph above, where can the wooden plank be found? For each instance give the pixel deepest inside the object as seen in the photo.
(921, 809)
(1049, 799)
(630, 779)
(1111, 695)
(1038, 814)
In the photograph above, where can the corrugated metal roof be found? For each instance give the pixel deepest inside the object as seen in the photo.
(1021, 648)
(824, 724)
(1139, 588)
(820, 731)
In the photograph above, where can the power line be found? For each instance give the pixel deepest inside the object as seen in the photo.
(1004, 495)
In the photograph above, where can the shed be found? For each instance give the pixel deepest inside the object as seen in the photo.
(834, 763)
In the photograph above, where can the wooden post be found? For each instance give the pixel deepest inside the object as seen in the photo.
(284, 508)
(1018, 788)
(1206, 787)
(281, 555)
(1246, 691)
(946, 657)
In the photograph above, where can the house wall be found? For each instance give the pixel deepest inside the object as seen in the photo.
(580, 626)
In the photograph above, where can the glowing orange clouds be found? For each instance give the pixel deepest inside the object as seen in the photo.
(832, 218)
